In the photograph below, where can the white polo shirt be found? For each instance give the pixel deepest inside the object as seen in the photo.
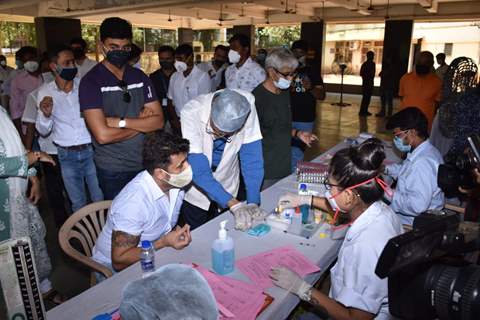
(183, 89)
(140, 209)
(247, 77)
(354, 282)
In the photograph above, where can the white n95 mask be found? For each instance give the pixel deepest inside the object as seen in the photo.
(181, 179)
(233, 56)
(31, 66)
(180, 66)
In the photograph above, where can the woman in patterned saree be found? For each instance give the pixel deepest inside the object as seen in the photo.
(19, 216)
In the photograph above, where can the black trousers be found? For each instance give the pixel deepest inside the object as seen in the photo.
(366, 97)
(195, 216)
(57, 196)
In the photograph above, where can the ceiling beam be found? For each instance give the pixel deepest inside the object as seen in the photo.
(430, 5)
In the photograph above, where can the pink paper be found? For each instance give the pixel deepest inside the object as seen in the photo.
(258, 267)
(234, 297)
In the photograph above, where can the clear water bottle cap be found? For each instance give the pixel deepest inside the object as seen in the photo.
(146, 244)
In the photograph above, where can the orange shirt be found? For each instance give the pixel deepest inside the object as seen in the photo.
(421, 92)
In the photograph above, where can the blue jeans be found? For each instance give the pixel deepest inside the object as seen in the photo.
(112, 182)
(297, 152)
(78, 169)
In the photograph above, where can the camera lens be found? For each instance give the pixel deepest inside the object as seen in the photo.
(455, 291)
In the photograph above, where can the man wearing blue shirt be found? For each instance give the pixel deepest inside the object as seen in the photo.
(417, 190)
(224, 135)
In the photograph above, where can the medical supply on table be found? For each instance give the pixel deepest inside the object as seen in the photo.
(303, 189)
(259, 230)
(296, 225)
(147, 258)
(318, 216)
(276, 221)
(223, 252)
(310, 172)
(305, 210)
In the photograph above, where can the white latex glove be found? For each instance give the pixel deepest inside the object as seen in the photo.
(256, 212)
(243, 219)
(292, 200)
(290, 281)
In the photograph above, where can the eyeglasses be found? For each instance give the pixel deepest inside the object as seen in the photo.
(127, 48)
(126, 94)
(286, 75)
(328, 185)
(219, 135)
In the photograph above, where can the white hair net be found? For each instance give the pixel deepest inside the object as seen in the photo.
(173, 292)
(230, 110)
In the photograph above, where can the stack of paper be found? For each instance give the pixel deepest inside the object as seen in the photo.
(258, 267)
(235, 299)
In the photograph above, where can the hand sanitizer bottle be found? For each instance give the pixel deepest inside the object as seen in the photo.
(223, 252)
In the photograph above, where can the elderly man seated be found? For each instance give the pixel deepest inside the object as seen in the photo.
(174, 291)
(149, 205)
(417, 189)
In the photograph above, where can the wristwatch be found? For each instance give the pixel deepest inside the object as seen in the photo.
(122, 123)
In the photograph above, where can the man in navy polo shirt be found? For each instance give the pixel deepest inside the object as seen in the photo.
(119, 106)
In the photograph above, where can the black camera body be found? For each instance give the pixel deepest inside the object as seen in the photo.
(458, 172)
(427, 275)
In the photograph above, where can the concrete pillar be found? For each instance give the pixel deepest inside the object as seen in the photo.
(248, 30)
(185, 35)
(313, 34)
(396, 46)
(52, 32)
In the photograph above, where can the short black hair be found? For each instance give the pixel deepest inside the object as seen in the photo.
(166, 49)
(184, 49)
(221, 47)
(441, 55)
(116, 28)
(2, 57)
(159, 146)
(243, 39)
(80, 41)
(409, 118)
(300, 44)
(354, 165)
(135, 52)
(26, 50)
(53, 54)
(370, 54)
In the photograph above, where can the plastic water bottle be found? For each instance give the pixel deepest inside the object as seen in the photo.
(147, 258)
(296, 225)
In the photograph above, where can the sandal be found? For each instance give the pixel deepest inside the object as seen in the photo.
(54, 297)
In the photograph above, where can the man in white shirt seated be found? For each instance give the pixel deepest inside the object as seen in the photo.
(147, 208)
(83, 63)
(417, 189)
(60, 118)
(244, 73)
(186, 84)
(216, 67)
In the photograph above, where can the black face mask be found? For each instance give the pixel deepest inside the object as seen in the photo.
(67, 73)
(78, 53)
(218, 63)
(118, 58)
(421, 69)
(167, 65)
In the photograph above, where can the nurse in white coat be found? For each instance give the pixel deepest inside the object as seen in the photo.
(224, 135)
(354, 189)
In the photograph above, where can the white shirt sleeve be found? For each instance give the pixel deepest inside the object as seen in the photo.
(44, 125)
(30, 112)
(360, 287)
(252, 125)
(393, 169)
(192, 126)
(170, 87)
(128, 214)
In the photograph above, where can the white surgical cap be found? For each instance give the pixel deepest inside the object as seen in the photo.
(230, 110)
(173, 292)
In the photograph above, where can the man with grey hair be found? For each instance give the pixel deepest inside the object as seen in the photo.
(174, 291)
(224, 135)
(272, 100)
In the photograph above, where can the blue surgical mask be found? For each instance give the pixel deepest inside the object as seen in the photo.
(398, 142)
(282, 83)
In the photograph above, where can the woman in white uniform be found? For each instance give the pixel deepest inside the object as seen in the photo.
(354, 188)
